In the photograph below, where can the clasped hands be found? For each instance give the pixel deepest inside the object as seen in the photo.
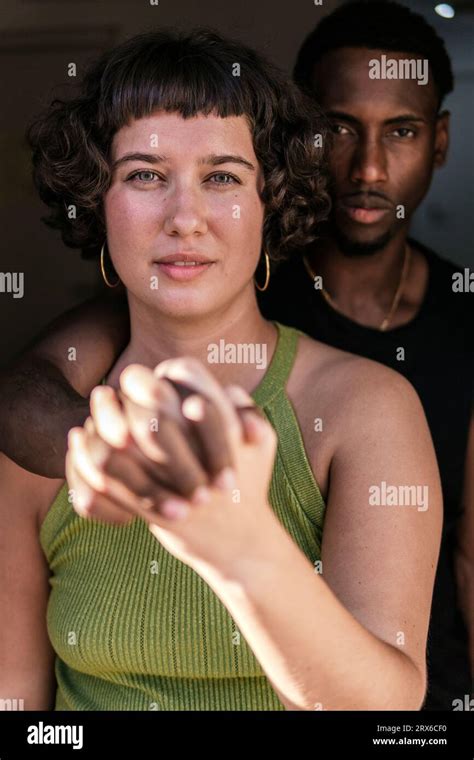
(175, 448)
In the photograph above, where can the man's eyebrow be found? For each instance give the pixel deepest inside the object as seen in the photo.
(156, 158)
(394, 120)
(405, 117)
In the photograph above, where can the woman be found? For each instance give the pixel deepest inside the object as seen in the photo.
(188, 156)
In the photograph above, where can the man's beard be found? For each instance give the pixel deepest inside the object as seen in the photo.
(354, 248)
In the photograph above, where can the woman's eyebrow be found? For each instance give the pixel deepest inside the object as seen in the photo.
(227, 158)
(149, 158)
(214, 159)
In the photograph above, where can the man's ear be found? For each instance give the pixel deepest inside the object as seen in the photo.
(441, 138)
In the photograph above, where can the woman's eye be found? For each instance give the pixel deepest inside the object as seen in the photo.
(141, 173)
(229, 179)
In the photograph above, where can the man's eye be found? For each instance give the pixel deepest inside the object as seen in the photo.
(229, 179)
(141, 173)
(339, 129)
(404, 132)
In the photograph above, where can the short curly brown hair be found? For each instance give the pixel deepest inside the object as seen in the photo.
(187, 73)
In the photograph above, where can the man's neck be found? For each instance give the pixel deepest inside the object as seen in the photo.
(363, 287)
(155, 337)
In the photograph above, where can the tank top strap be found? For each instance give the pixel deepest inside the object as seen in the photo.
(280, 366)
(293, 461)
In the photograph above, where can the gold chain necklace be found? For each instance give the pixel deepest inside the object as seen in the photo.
(396, 298)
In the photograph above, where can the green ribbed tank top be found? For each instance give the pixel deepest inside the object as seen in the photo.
(134, 628)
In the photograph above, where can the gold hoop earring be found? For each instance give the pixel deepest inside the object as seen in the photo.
(102, 269)
(267, 273)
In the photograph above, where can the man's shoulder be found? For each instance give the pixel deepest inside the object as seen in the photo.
(451, 287)
(435, 259)
(441, 269)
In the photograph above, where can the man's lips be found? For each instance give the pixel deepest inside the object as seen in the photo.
(364, 210)
(365, 215)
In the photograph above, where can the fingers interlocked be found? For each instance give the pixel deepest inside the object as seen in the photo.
(139, 448)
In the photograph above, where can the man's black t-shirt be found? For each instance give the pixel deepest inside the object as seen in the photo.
(438, 359)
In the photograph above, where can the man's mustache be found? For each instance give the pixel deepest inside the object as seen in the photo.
(365, 199)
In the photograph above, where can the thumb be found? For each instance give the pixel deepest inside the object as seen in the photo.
(254, 424)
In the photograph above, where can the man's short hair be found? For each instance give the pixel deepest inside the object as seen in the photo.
(375, 25)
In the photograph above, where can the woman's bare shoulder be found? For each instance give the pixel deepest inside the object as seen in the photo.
(345, 397)
(24, 494)
(346, 378)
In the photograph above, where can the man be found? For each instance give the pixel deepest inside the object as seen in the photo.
(365, 288)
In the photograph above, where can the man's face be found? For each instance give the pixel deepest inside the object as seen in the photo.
(387, 140)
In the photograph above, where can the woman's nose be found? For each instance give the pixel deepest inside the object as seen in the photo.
(185, 213)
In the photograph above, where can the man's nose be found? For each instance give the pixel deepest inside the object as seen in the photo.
(369, 162)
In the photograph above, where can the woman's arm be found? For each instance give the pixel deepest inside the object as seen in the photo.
(42, 395)
(351, 638)
(26, 656)
(465, 548)
(355, 636)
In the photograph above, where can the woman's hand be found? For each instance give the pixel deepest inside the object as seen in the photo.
(197, 471)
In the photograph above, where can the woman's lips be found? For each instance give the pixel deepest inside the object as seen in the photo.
(183, 272)
(364, 215)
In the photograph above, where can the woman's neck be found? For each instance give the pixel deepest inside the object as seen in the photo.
(236, 344)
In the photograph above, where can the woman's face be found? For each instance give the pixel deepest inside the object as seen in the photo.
(191, 193)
